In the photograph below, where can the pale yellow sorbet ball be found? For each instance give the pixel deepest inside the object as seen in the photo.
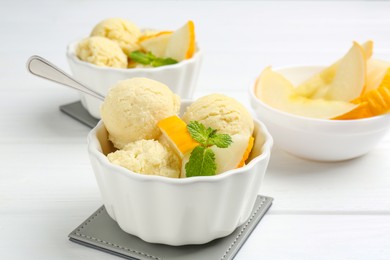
(222, 113)
(147, 157)
(133, 107)
(122, 31)
(101, 52)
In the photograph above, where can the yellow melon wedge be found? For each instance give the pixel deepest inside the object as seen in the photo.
(181, 44)
(175, 131)
(378, 99)
(156, 43)
(368, 48)
(349, 80)
(335, 82)
(276, 91)
(361, 111)
(376, 70)
(247, 152)
(311, 86)
(374, 102)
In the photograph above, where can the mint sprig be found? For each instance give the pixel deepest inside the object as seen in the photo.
(208, 136)
(150, 59)
(202, 158)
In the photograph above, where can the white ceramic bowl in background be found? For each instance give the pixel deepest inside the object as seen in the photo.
(170, 211)
(181, 78)
(319, 139)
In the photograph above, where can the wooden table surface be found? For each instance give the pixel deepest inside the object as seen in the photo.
(47, 187)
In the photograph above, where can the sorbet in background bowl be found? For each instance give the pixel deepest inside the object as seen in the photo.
(104, 58)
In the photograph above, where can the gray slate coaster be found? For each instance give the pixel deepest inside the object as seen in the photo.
(101, 232)
(78, 112)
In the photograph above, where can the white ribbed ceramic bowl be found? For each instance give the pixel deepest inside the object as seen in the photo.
(319, 139)
(176, 212)
(181, 78)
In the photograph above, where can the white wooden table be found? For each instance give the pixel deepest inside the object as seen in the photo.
(321, 210)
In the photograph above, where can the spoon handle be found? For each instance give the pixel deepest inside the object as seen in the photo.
(40, 67)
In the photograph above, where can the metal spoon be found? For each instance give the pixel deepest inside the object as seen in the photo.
(40, 67)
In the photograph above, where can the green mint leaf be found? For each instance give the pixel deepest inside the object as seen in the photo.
(162, 62)
(220, 140)
(150, 59)
(143, 58)
(151, 56)
(199, 132)
(201, 162)
(208, 136)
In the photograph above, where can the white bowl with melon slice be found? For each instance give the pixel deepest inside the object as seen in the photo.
(181, 77)
(330, 113)
(179, 211)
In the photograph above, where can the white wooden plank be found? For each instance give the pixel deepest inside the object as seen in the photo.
(361, 184)
(34, 116)
(44, 236)
(319, 237)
